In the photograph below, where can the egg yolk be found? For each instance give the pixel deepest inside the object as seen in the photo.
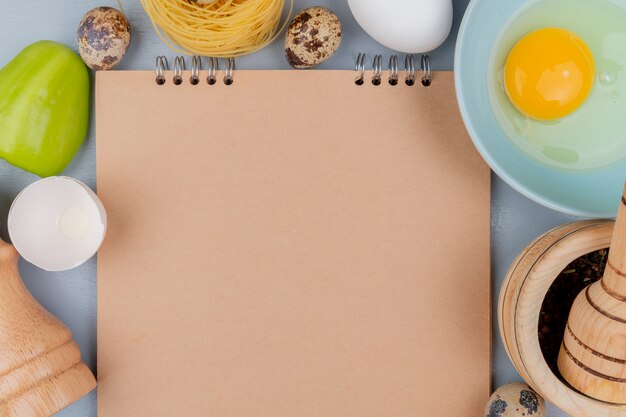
(549, 74)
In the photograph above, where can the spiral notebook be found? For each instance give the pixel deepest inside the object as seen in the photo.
(290, 244)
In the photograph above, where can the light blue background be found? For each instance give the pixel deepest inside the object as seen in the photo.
(72, 295)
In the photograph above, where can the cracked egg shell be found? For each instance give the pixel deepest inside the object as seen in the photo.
(57, 223)
(515, 400)
(313, 36)
(103, 38)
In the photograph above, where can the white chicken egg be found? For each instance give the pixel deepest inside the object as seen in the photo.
(409, 26)
(57, 223)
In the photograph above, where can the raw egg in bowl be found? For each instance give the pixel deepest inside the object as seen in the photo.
(542, 91)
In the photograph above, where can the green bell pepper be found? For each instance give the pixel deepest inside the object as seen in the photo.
(44, 108)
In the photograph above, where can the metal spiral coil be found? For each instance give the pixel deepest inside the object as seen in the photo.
(211, 79)
(426, 73)
(377, 67)
(196, 66)
(409, 67)
(230, 68)
(360, 69)
(179, 67)
(160, 67)
(393, 70)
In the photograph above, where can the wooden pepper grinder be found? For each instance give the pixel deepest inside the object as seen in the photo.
(593, 354)
(41, 371)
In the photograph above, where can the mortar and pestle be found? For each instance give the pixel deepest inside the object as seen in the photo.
(41, 371)
(593, 354)
(578, 391)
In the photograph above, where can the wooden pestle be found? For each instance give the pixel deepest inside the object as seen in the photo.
(41, 371)
(593, 354)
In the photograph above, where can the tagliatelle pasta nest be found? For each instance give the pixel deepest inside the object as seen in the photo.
(221, 28)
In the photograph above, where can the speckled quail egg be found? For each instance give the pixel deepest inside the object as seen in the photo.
(515, 400)
(103, 38)
(313, 36)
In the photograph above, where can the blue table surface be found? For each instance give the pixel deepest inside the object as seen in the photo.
(72, 295)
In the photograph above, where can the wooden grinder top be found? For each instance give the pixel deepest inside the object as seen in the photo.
(41, 371)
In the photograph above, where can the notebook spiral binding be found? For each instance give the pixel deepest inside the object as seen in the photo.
(394, 72)
(162, 65)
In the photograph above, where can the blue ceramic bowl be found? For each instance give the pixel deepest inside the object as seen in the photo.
(593, 193)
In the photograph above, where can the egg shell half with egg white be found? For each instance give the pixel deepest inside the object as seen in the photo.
(408, 26)
(57, 223)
